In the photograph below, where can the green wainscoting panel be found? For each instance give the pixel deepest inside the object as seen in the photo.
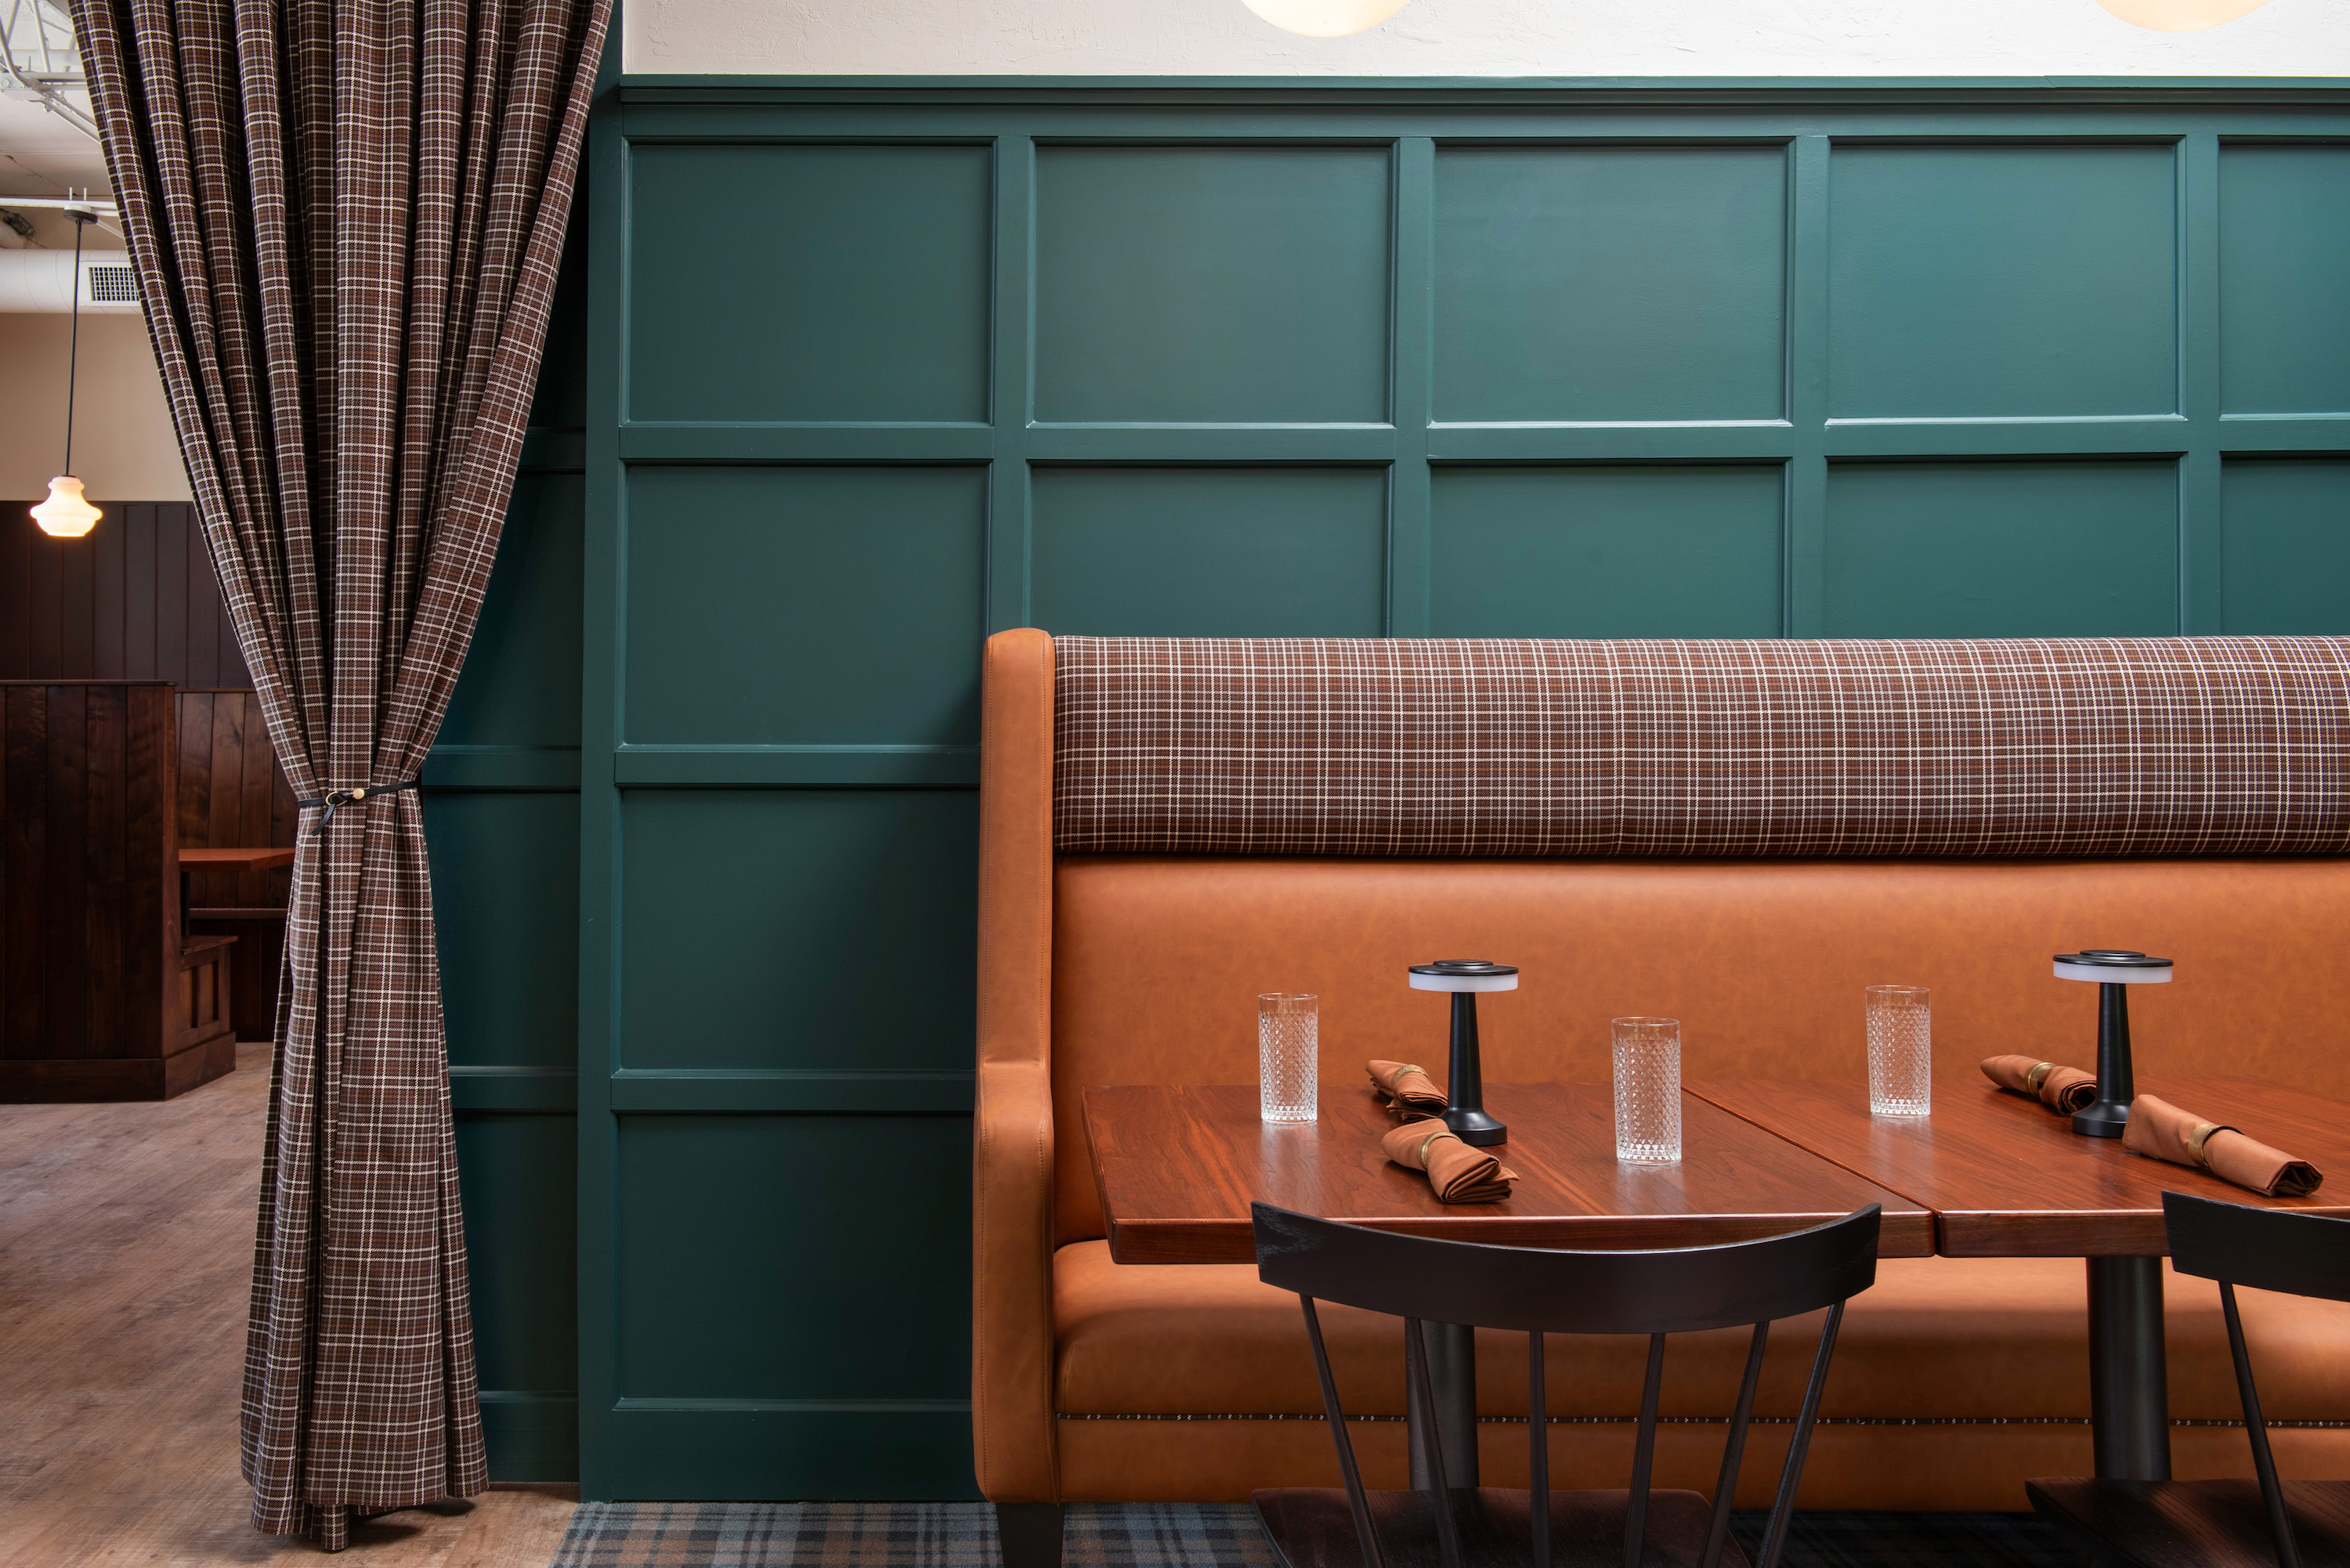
(2288, 545)
(2284, 278)
(800, 929)
(1210, 552)
(505, 881)
(1997, 281)
(2002, 549)
(1606, 551)
(807, 604)
(1610, 282)
(502, 830)
(879, 364)
(721, 1217)
(520, 686)
(733, 314)
(1221, 285)
(523, 1318)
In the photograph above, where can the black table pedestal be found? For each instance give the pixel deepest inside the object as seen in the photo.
(1452, 1379)
(2129, 1384)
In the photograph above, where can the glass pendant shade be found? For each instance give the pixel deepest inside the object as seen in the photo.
(1325, 19)
(66, 514)
(2180, 16)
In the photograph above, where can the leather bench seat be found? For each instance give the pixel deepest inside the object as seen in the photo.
(1953, 1337)
(1940, 1356)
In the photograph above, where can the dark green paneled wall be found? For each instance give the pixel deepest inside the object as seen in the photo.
(502, 818)
(861, 372)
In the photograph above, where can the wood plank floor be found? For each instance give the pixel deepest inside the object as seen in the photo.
(125, 1243)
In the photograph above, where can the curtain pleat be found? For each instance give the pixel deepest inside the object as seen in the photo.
(346, 217)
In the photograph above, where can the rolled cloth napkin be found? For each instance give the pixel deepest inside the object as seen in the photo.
(2160, 1130)
(1410, 1090)
(1459, 1174)
(2065, 1089)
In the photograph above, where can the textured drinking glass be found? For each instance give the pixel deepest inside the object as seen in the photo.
(1286, 1040)
(1900, 1050)
(1649, 1090)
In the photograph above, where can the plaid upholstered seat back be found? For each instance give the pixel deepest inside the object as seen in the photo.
(2236, 745)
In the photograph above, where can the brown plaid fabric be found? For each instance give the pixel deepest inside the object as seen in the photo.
(2220, 745)
(345, 221)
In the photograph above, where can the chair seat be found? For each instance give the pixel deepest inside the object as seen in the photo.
(1310, 1527)
(2208, 1524)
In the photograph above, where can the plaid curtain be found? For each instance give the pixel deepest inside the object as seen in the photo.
(346, 217)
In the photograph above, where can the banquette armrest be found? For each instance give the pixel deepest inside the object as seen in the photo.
(1012, 1174)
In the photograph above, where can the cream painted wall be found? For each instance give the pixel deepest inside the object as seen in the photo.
(124, 448)
(1475, 38)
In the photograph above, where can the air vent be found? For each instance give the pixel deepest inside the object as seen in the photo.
(111, 286)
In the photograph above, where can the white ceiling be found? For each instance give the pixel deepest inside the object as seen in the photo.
(42, 155)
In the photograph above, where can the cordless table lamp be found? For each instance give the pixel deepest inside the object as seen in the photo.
(2112, 970)
(1464, 1083)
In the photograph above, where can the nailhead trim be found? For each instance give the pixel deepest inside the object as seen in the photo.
(1720, 1420)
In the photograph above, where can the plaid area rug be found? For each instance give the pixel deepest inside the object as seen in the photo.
(1179, 1535)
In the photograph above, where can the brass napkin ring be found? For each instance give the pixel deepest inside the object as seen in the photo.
(2033, 1078)
(1439, 1132)
(2201, 1136)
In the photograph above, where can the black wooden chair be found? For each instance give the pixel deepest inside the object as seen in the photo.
(1539, 1291)
(2224, 1523)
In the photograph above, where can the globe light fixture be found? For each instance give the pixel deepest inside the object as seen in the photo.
(68, 514)
(1328, 18)
(2180, 16)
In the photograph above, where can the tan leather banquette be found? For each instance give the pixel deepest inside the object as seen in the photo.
(1738, 835)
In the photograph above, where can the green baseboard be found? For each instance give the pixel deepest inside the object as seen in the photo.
(758, 1450)
(531, 1437)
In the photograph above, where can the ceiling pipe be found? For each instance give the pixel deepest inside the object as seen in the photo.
(42, 282)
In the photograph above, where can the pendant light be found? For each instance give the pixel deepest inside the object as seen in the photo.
(1325, 19)
(2180, 16)
(68, 514)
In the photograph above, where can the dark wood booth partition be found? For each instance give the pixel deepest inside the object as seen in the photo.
(234, 795)
(101, 998)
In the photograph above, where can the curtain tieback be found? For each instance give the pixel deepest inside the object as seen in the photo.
(341, 797)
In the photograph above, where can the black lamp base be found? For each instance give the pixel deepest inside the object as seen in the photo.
(1474, 1127)
(2102, 1119)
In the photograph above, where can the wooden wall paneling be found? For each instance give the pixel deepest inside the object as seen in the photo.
(24, 830)
(230, 759)
(133, 600)
(77, 617)
(48, 660)
(140, 630)
(65, 876)
(101, 1000)
(107, 917)
(231, 789)
(17, 532)
(171, 550)
(1466, 358)
(108, 632)
(257, 788)
(151, 859)
(194, 730)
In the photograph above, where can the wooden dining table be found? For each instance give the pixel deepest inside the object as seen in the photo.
(262, 857)
(1176, 1169)
(1987, 1174)
(2007, 1178)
